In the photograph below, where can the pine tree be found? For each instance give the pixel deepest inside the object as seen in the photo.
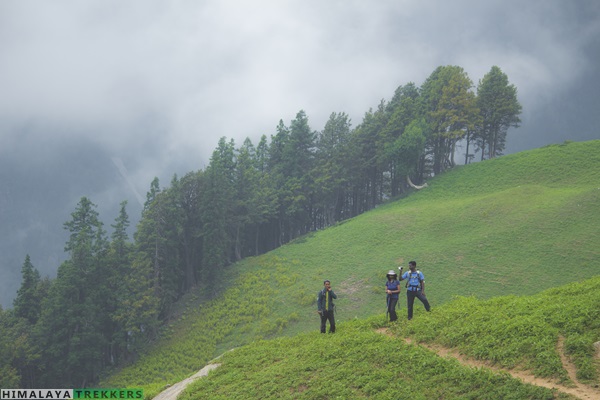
(118, 268)
(331, 175)
(71, 324)
(27, 304)
(403, 109)
(500, 110)
(9, 375)
(218, 209)
(450, 112)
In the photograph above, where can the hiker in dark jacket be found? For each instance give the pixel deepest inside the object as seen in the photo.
(325, 306)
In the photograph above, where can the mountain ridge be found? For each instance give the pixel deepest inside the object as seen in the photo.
(530, 228)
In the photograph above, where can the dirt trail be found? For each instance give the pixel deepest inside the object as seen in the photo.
(172, 392)
(579, 390)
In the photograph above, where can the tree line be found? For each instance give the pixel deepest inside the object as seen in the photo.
(112, 295)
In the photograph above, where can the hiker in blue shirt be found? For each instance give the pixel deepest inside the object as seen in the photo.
(415, 287)
(392, 288)
(325, 306)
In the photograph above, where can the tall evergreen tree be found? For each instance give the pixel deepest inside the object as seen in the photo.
(191, 187)
(298, 158)
(368, 176)
(27, 304)
(500, 110)
(154, 260)
(405, 107)
(266, 236)
(218, 209)
(172, 277)
(118, 263)
(409, 147)
(450, 111)
(278, 174)
(71, 329)
(262, 154)
(9, 375)
(330, 171)
(152, 193)
(247, 178)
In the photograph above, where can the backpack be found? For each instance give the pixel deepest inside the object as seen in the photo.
(413, 275)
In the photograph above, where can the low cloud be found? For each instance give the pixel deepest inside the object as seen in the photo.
(155, 84)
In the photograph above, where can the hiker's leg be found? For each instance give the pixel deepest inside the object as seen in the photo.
(331, 322)
(424, 300)
(392, 310)
(323, 321)
(410, 301)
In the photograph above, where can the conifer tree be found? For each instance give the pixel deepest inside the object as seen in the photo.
(500, 110)
(9, 375)
(142, 307)
(368, 171)
(218, 209)
(298, 159)
(331, 169)
(118, 268)
(277, 172)
(27, 304)
(451, 111)
(191, 188)
(404, 108)
(71, 329)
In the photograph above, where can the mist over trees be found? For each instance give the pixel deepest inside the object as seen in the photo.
(112, 295)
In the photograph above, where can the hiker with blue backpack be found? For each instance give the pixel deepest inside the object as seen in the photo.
(415, 287)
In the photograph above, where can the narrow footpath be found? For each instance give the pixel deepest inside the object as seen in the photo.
(172, 392)
(579, 390)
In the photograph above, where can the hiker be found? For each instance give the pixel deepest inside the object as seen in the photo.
(325, 306)
(392, 288)
(415, 287)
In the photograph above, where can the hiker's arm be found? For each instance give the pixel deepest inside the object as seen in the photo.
(333, 296)
(423, 287)
(319, 303)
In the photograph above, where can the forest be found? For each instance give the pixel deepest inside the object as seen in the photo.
(112, 295)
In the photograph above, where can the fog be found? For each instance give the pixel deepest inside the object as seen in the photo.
(99, 97)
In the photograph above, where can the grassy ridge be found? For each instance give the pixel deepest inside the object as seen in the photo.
(357, 362)
(521, 331)
(516, 225)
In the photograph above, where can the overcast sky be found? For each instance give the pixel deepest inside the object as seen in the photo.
(152, 85)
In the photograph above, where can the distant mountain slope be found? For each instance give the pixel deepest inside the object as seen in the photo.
(518, 225)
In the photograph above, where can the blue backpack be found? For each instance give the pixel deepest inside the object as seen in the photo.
(414, 279)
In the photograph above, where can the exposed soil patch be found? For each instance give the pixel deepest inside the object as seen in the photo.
(352, 288)
(579, 390)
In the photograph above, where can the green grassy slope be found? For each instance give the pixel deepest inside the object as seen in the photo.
(517, 225)
(359, 362)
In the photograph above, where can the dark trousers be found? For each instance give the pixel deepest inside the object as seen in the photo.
(392, 309)
(410, 301)
(327, 315)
